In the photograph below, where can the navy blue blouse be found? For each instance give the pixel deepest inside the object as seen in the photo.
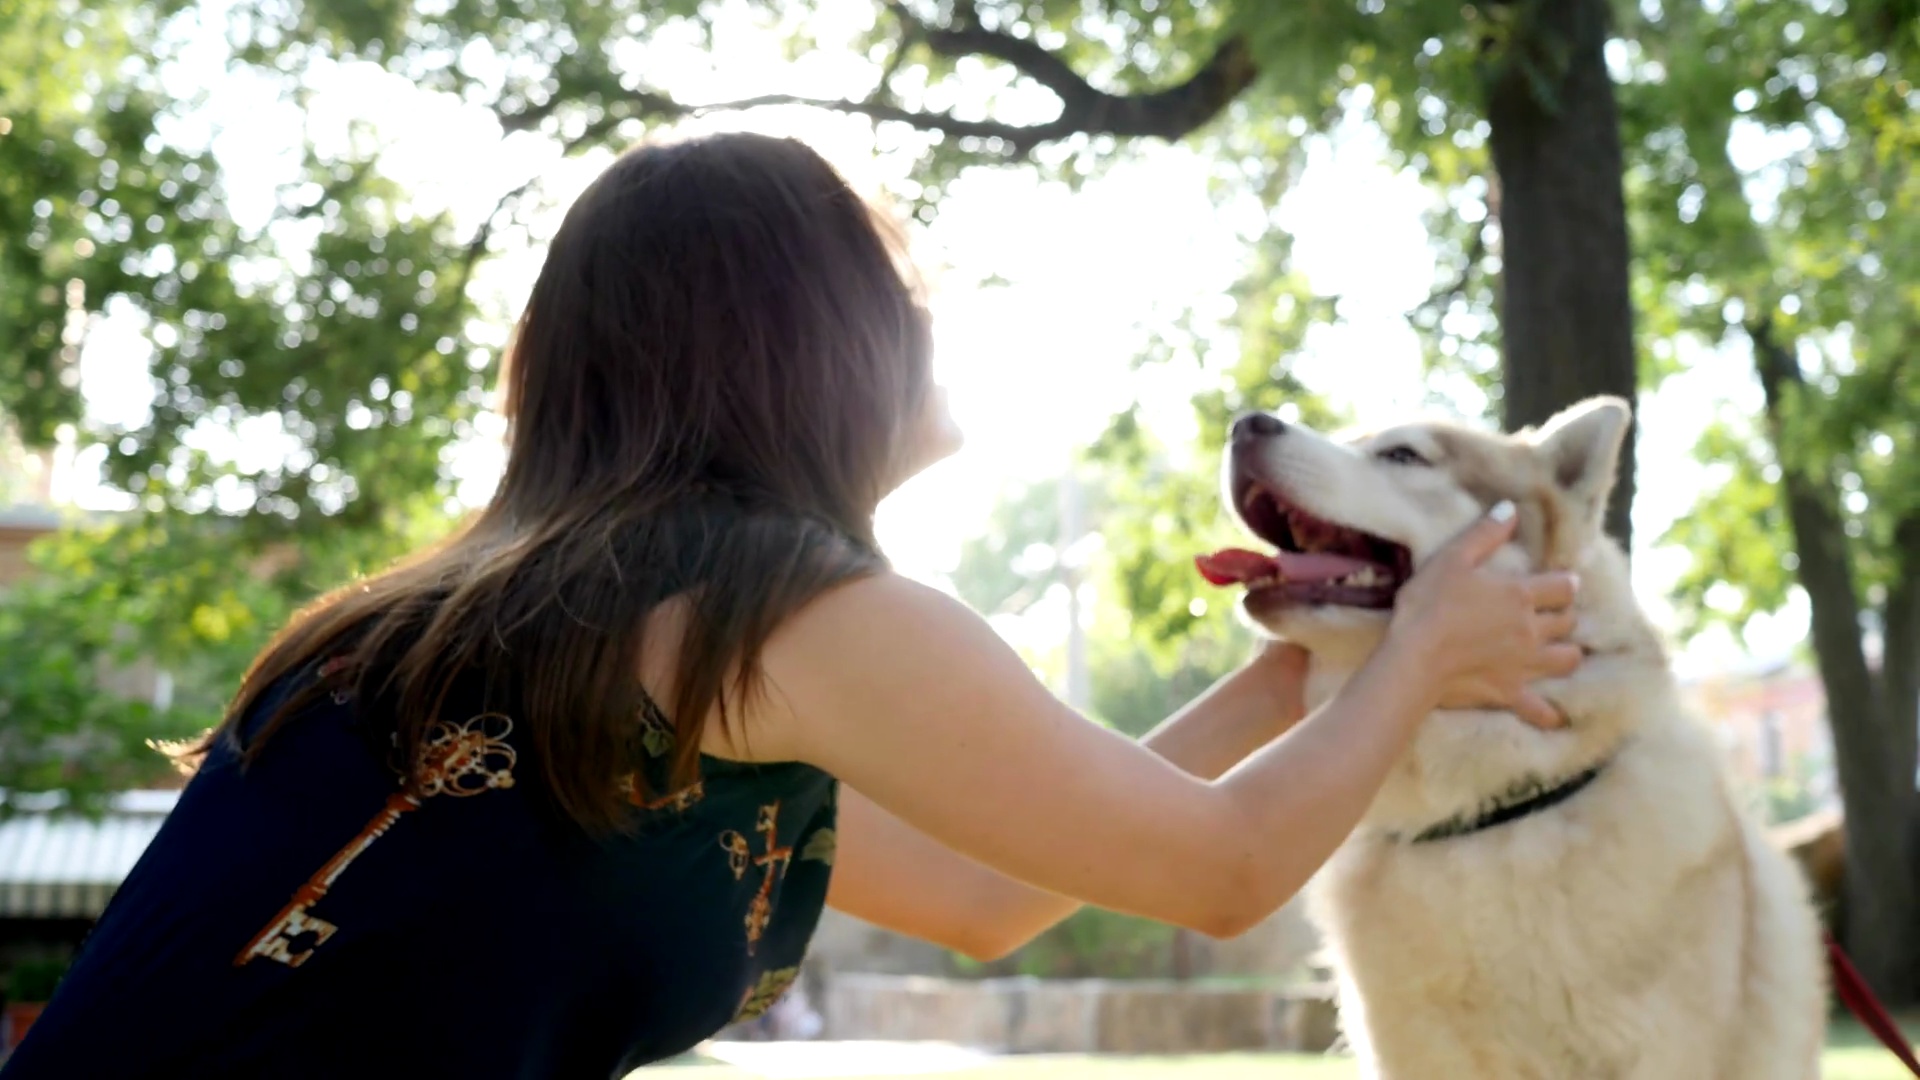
(310, 918)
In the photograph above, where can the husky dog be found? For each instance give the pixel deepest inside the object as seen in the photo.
(1552, 905)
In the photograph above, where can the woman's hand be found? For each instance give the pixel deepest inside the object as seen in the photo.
(1485, 637)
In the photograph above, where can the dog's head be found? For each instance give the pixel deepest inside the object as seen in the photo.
(1351, 518)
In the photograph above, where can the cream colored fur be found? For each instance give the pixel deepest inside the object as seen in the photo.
(1644, 929)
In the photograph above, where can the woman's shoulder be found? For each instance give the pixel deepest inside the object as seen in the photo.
(870, 618)
(850, 652)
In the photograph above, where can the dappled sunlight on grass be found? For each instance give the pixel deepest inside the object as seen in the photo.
(1074, 1067)
(1851, 1055)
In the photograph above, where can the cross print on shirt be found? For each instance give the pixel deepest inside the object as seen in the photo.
(775, 858)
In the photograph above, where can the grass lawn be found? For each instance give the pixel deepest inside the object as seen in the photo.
(1852, 1054)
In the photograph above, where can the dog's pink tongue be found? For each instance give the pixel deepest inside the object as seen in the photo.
(1232, 566)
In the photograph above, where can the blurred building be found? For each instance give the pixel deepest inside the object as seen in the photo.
(20, 526)
(1771, 720)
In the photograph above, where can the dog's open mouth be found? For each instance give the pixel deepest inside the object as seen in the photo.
(1316, 561)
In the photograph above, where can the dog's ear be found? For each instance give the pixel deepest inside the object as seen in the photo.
(1581, 448)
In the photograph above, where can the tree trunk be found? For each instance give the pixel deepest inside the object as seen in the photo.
(1566, 317)
(1900, 682)
(1882, 919)
(1900, 666)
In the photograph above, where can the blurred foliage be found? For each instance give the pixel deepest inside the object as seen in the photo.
(33, 979)
(344, 331)
(1136, 682)
(313, 369)
(58, 730)
(1794, 794)
(1165, 500)
(1777, 185)
(1016, 557)
(1092, 943)
(1813, 234)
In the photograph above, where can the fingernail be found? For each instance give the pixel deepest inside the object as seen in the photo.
(1575, 578)
(1502, 511)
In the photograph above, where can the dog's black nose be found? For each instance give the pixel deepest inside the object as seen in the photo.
(1257, 425)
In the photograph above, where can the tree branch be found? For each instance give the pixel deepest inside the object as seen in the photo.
(1168, 114)
(528, 118)
(1025, 54)
(641, 103)
(510, 200)
(883, 89)
(1021, 138)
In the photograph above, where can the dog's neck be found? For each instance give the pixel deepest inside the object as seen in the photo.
(1523, 800)
(1464, 762)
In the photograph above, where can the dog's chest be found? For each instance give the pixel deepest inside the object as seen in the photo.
(1451, 975)
(1528, 949)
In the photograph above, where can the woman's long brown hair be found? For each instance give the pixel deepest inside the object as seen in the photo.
(706, 395)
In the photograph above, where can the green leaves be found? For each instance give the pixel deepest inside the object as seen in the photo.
(1770, 155)
(63, 725)
(1164, 501)
(1743, 562)
(1768, 144)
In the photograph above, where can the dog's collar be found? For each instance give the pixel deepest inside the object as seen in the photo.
(1522, 800)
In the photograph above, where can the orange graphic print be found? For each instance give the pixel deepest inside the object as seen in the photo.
(457, 759)
(740, 856)
(677, 801)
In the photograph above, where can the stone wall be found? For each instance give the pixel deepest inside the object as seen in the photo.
(1095, 1016)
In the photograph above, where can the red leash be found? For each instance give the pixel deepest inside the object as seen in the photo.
(1859, 1000)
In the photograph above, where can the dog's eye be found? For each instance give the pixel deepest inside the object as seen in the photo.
(1402, 455)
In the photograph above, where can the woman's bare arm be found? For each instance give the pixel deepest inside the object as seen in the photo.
(893, 875)
(910, 699)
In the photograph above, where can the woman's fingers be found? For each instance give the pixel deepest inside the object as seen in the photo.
(1557, 661)
(1555, 625)
(1538, 711)
(1553, 591)
(1484, 537)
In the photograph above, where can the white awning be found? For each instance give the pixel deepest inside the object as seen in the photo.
(61, 865)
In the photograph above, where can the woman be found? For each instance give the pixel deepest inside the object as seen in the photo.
(562, 795)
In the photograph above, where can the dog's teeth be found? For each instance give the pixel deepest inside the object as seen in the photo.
(1364, 578)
